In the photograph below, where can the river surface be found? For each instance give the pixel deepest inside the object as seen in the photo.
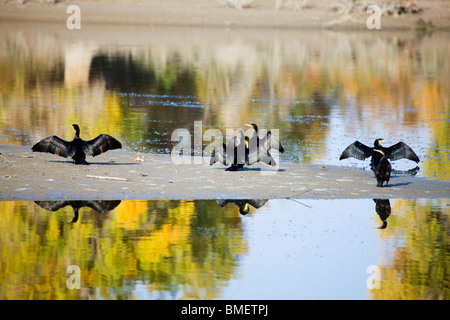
(205, 249)
(319, 90)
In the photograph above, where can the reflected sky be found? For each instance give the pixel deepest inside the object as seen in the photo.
(309, 249)
(321, 89)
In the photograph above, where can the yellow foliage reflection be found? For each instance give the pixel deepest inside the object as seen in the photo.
(419, 267)
(159, 243)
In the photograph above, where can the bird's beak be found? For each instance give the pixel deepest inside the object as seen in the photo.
(381, 140)
(247, 124)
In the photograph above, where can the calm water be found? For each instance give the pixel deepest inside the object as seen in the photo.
(314, 249)
(322, 90)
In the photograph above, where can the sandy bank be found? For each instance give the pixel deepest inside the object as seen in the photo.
(25, 175)
(213, 13)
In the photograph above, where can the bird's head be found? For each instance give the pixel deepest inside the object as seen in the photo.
(253, 125)
(378, 142)
(384, 225)
(245, 209)
(77, 129)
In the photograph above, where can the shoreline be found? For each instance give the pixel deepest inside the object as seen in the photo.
(213, 14)
(26, 175)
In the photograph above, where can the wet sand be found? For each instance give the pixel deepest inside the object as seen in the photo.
(25, 175)
(214, 13)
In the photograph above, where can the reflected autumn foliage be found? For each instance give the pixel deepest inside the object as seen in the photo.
(195, 249)
(176, 249)
(419, 267)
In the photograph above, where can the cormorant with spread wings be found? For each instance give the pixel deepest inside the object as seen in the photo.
(78, 148)
(397, 151)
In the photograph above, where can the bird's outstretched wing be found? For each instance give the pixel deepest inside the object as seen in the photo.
(357, 150)
(223, 202)
(257, 203)
(266, 157)
(52, 205)
(101, 144)
(253, 155)
(53, 144)
(401, 150)
(237, 139)
(102, 206)
(270, 142)
(218, 155)
(235, 152)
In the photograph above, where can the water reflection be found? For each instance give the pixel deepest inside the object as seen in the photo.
(322, 89)
(243, 204)
(383, 209)
(202, 250)
(100, 206)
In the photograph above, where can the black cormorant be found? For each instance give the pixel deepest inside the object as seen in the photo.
(246, 150)
(78, 148)
(267, 142)
(234, 154)
(361, 151)
(383, 169)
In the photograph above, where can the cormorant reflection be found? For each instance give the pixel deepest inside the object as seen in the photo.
(383, 209)
(243, 204)
(101, 206)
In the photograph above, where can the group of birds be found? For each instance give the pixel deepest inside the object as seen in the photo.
(246, 150)
(241, 150)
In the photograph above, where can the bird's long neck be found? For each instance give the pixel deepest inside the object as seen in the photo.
(255, 137)
(75, 215)
(77, 133)
(255, 127)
